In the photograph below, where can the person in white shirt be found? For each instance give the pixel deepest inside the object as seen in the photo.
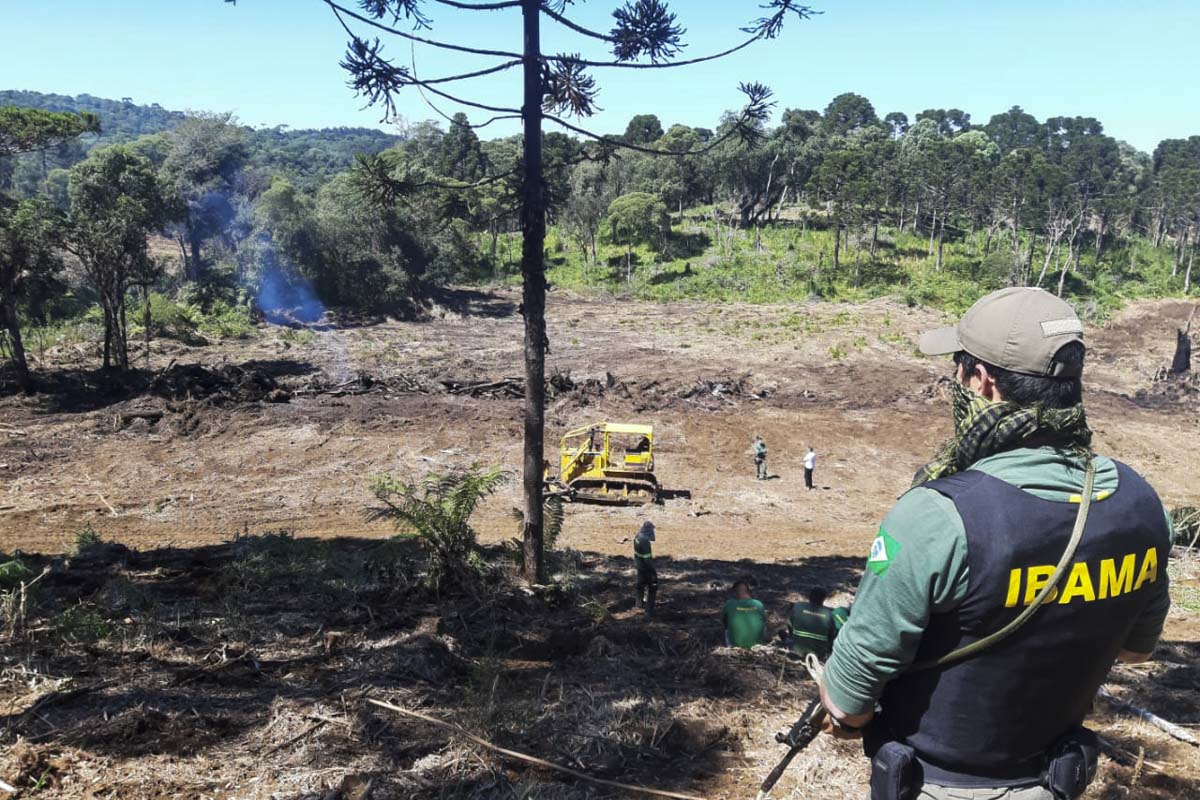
(810, 461)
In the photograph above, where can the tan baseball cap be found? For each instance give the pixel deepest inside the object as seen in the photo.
(1019, 329)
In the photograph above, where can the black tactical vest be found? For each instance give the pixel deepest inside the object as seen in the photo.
(996, 714)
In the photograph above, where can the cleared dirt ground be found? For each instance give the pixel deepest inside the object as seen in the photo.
(280, 433)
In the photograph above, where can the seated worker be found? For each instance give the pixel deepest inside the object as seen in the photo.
(744, 618)
(811, 626)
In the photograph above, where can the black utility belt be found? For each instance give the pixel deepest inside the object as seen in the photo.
(898, 771)
(941, 776)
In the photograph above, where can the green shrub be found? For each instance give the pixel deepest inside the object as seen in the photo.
(297, 336)
(190, 323)
(169, 319)
(81, 625)
(13, 573)
(88, 537)
(437, 511)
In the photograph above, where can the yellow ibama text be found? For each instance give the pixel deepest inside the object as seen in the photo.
(1087, 581)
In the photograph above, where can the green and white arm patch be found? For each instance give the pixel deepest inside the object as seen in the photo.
(883, 551)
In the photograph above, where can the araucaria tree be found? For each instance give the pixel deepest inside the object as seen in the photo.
(645, 36)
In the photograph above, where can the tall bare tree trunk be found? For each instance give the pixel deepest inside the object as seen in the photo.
(932, 233)
(1187, 276)
(533, 296)
(941, 235)
(874, 238)
(1181, 243)
(1066, 265)
(122, 335)
(1027, 272)
(837, 245)
(8, 310)
(194, 268)
(1051, 246)
(146, 318)
(108, 334)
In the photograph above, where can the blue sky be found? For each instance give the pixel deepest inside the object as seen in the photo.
(1133, 66)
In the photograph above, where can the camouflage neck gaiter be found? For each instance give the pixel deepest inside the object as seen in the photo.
(983, 428)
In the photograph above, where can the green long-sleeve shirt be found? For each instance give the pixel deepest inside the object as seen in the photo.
(918, 567)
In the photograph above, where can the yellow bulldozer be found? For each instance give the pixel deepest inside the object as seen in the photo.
(607, 462)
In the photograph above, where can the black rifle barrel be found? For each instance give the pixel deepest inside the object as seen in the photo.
(799, 737)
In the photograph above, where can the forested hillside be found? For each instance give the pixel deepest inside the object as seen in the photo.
(308, 156)
(836, 203)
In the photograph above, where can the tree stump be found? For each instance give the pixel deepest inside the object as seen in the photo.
(1182, 362)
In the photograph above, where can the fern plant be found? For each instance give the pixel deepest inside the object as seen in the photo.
(437, 510)
(553, 513)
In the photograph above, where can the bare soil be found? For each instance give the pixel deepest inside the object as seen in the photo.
(228, 652)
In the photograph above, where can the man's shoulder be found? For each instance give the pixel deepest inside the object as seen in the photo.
(923, 530)
(920, 511)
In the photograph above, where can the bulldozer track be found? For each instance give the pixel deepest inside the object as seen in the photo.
(615, 491)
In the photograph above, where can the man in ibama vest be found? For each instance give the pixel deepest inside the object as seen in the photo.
(964, 558)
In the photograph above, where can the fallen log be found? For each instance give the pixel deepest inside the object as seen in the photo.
(1155, 720)
(541, 762)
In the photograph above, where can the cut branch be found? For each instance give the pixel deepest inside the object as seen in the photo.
(541, 762)
(1155, 720)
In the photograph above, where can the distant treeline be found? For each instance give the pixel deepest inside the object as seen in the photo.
(370, 220)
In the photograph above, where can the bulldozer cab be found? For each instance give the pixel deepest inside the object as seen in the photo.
(610, 462)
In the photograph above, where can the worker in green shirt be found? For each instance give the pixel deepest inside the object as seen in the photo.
(975, 544)
(744, 618)
(811, 625)
(647, 576)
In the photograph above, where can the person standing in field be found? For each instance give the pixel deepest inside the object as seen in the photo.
(744, 618)
(647, 576)
(810, 463)
(760, 458)
(1003, 586)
